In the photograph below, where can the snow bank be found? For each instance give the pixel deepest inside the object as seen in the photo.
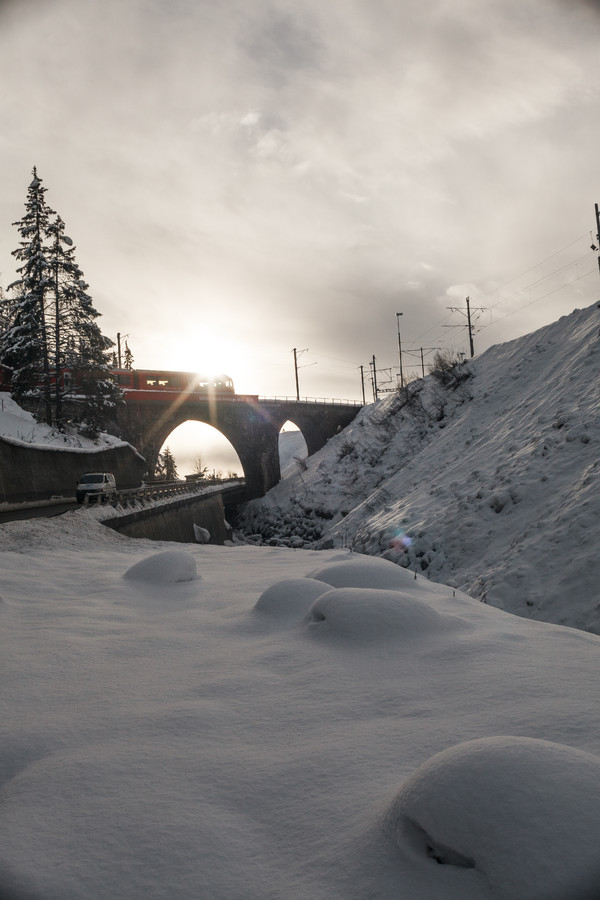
(18, 427)
(522, 812)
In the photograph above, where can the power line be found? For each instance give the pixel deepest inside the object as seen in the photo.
(442, 322)
(537, 265)
(532, 302)
(532, 284)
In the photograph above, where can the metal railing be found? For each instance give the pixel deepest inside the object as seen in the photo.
(149, 493)
(311, 400)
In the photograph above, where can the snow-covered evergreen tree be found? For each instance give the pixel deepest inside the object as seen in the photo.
(127, 357)
(78, 342)
(54, 323)
(61, 310)
(24, 345)
(166, 467)
(97, 391)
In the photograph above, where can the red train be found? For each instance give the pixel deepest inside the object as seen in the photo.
(150, 385)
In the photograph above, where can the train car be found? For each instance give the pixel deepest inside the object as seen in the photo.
(152, 384)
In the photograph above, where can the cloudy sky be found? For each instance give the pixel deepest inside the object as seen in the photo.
(242, 177)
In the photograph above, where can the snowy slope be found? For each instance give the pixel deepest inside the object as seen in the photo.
(490, 485)
(254, 723)
(17, 426)
(292, 447)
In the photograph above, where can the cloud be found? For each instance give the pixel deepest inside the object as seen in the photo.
(295, 172)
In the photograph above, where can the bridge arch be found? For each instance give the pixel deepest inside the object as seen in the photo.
(196, 443)
(251, 426)
(292, 447)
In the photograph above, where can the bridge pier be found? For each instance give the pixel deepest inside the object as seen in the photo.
(251, 426)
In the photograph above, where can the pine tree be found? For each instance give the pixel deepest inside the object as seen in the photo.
(96, 388)
(79, 343)
(24, 345)
(62, 310)
(127, 357)
(165, 466)
(54, 323)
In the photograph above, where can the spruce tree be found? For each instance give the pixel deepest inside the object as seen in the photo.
(166, 467)
(61, 311)
(97, 391)
(127, 357)
(24, 345)
(53, 323)
(78, 341)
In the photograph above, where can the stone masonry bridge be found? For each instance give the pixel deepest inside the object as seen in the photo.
(252, 426)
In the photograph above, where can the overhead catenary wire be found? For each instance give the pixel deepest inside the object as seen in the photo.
(537, 265)
(491, 305)
(533, 284)
(539, 299)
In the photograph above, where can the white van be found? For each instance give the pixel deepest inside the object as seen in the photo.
(96, 486)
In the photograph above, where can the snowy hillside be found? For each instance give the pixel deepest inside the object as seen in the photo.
(17, 426)
(490, 484)
(292, 449)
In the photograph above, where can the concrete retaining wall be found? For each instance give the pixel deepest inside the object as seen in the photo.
(38, 473)
(175, 521)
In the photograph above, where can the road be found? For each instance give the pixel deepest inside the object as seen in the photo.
(35, 512)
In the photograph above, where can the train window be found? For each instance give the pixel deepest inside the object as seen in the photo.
(150, 381)
(124, 380)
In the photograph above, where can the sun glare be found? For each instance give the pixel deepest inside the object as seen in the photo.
(206, 356)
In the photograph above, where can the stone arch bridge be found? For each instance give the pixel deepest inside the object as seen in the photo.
(252, 426)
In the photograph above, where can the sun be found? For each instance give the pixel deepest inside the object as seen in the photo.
(203, 355)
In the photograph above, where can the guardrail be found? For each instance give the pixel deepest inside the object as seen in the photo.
(323, 400)
(153, 492)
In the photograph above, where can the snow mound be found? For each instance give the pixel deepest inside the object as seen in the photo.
(168, 567)
(290, 599)
(369, 614)
(521, 811)
(365, 572)
(201, 534)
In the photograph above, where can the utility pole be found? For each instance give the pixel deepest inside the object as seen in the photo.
(298, 353)
(362, 384)
(469, 322)
(400, 348)
(598, 231)
(470, 328)
(118, 349)
(375, 394)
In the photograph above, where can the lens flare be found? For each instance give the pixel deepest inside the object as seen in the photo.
(400, 541)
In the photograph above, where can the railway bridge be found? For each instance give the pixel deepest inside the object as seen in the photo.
(251, 425)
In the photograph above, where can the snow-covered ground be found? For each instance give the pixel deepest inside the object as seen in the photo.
(242, 723)
(263, 723)
(17, 426)
(292, 450)
(491, 485)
